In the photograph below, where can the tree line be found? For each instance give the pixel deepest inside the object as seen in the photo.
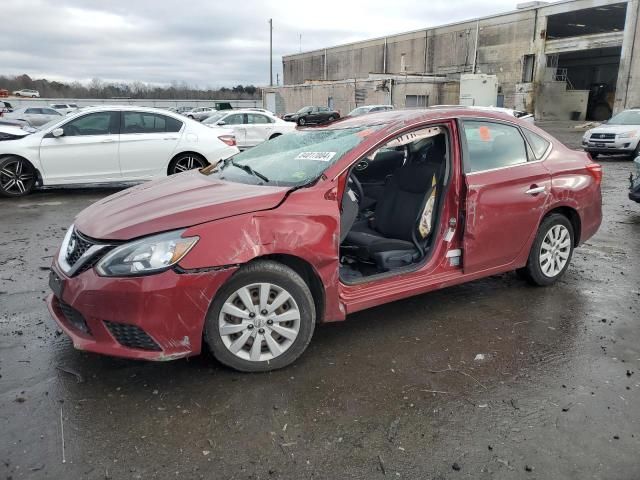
(97, 88)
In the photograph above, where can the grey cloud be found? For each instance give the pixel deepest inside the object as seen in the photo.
(203, 42)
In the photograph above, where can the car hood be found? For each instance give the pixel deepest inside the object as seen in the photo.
(12, 132)
(615, 129)
(174, 202)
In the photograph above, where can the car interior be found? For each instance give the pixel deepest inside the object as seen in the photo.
(390, 205)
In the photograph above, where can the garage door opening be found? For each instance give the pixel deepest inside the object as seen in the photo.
(589, 21)
(595, 70)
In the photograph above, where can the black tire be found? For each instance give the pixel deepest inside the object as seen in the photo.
(275, 135)
(331, 118)
(594, 155)
(532, 272)
(181, 162)
(302, 121)
(636, 152)
(17, 177)
(262, 271)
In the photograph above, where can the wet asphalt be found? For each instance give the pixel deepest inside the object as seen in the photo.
(398, 391)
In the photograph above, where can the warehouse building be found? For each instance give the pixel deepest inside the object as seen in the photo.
(568, 59)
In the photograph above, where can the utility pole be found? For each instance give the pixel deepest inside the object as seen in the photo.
(271, 52)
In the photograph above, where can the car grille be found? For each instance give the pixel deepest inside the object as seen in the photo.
(80, 244)
(603, 136)
(74, 317)
(132, 336)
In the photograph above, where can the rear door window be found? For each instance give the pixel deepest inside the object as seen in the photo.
(492, 145)
(145, 122)
(538, 144)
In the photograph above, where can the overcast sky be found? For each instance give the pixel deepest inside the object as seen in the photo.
(201, 42)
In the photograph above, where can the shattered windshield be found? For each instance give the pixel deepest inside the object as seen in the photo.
(628, 117)
(293, 159)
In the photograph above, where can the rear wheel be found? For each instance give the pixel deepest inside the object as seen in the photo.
(17, 177)
(551, 251)
(262, 319)
(186, 161)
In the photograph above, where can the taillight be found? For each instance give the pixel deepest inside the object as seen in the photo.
(595, 169)
(228, 139)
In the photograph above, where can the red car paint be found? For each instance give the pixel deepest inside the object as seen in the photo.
(491, 221)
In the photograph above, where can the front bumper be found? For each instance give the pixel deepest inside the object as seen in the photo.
(155, 317)
(618, 145)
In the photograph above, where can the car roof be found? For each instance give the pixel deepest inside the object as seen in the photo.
(247, 110)
(398, 117)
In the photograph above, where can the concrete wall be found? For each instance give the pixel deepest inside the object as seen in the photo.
(628, 85)
(445, 50)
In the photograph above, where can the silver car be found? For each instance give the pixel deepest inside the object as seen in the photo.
(34, 116)
(200, 113)
(620, 134)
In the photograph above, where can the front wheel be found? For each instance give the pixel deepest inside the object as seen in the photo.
(17, 177)
(301, 121)
(636, 152)
(262, 319)
(551, 251)
(186, 161)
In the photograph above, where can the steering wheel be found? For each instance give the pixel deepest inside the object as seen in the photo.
(353, 181)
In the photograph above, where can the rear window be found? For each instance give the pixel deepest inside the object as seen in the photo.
(538, 144)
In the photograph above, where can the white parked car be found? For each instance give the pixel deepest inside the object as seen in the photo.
(250, 127)
(199, 113)
(65, 108)
(369, 109)
(619, 134)
(34, 116)
(25, 92)
(109, 144)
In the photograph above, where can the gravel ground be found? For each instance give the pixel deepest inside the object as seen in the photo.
(396, 391)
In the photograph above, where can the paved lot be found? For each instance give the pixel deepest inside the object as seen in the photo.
(393, 392)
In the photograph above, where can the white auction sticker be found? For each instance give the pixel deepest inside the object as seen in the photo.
(320, 156)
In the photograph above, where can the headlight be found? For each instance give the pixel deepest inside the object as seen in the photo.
(631, 134)
(149, 255)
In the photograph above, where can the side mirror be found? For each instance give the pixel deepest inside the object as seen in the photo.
(221, 122)
(57, 132)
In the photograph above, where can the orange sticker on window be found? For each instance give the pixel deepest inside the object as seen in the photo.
(485, 134)
(365, 133)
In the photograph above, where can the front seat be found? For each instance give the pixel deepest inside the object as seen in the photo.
(388, 240)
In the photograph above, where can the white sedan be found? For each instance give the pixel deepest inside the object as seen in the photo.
(250, 127)
(109, 144)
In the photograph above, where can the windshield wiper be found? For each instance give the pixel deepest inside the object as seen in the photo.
(249, 170)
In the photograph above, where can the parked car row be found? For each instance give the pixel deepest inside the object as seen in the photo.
(106, 144)
(251, 126)
(248, 255)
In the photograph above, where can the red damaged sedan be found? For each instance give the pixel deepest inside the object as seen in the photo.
(248, 255)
